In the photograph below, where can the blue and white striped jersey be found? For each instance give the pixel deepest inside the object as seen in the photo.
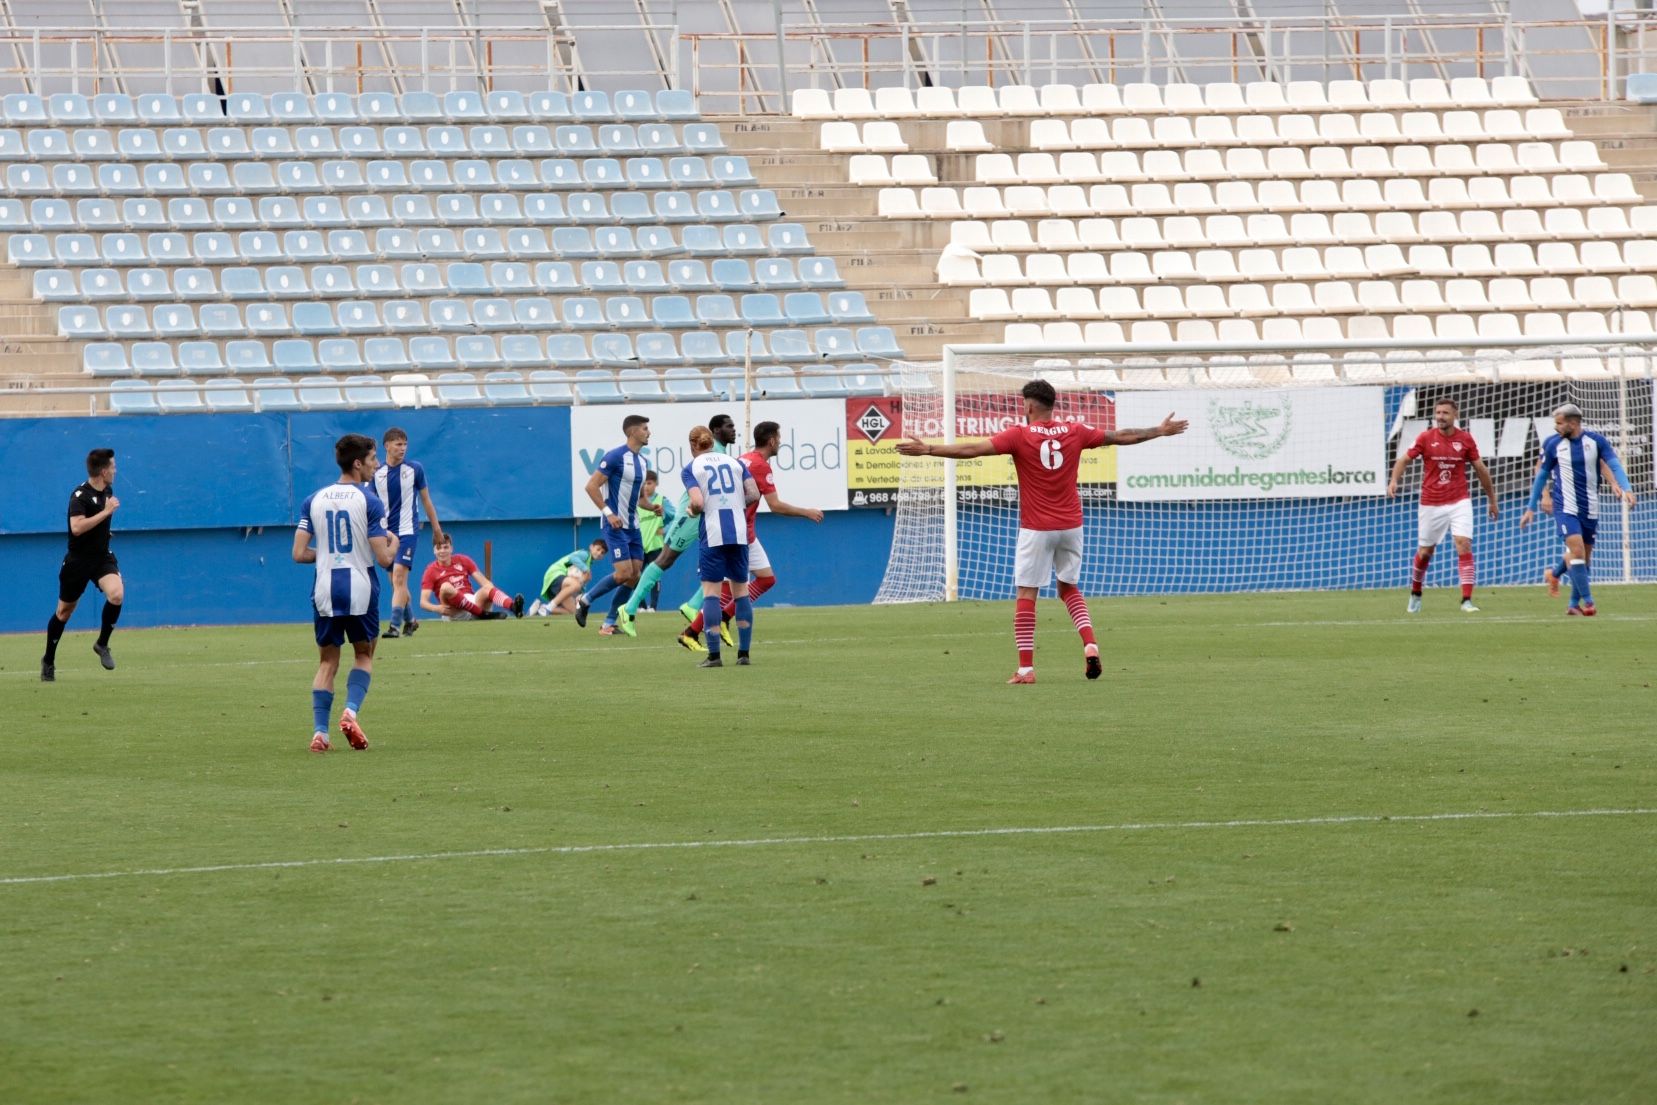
(399, 489)
(1573, 465)
(341, 518)
(721, 479)
(624, 469)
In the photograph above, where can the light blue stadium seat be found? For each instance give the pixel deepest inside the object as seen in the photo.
(731, 171)
(640, 385)
(132, 397)
(430, 353)
(291, 108)
(272, 393)
(413, 210)
(268, 319)
(339, 355)
(573, 242)
(396, 243)
(820, 272)
(207, 178)
(544, 208)
(559, 172)
(248, 108)
(228, 143)
(245, 355)
(587, 207)
(243, 282)
(386, 355)
(459, 389)
(631, 207)
(88, 143)
(343, 176)
(777, 382)
(550, 385)
(159, 109)
(646, 172)
(489, 141)
(321, 393)
(513, 277)
(626, 311)
(702, 347)
(107, 107)
(702, 138)
(523, 351)
(69, 109)
(384, 175)
(464, 107)
(175, 400)
(359, 316)
(550, 107)
(174, 320)
(534, 141)
(516, 173)
(447, 141)
(686, 384)
(365, 392)
(575, 140)
(645, 276)
(293, 355)
(305, 246)
(777, 274)
(717, 310)
(500, 208)
(528, 242)
(673, 312)
(791, 346)
(568, 351)
(557, 277)
(56, 286)
(360, 142)
(764, 309)
(252, 178)
(658, 348)
(506, 107)
(534, 313)
(92, 214)
(163, 249)
(760, 204)
(420, 107)
(270, 142)
(105, 285)
(659, 138)
(602, 276)
(227, 397)
(348, 245)
(602, 172)
(439, 243)
(677, 104)
(477, 351)
(280, 211)
(835, 343)
(379, 107)
(315, 142)
(48, 144)
(703, 241)
(119, 180)
(105, 358)
(505, 389)
(878, 341)
(458, 209)
(743, 238)
(618, 138)
(849, 307)
(154, 358)
(183, 143)
(70, 249)
(221, 319)
(731, 274)
(12, 146)
(200, 358)
(22, 108)
(191, 283)
(634, 107)
(673, 207)
(202, 109)
(125, 321)
(450, 314)
(336, 107)
(29, 180)
(405, 316)
(368, 210)
(188, 212)
(591, 106)
(314, 319)
(582, 313)
(823, 385)
(597, 385)
(428, 175)
(473, 174)
(468, 278)
(745, 345)
(717, 206)
(727, 382)
(73, 180)
(805, 309)
(614, 350)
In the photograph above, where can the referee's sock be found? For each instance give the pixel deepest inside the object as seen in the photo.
(112, 614)
(322, 703)
(54, 631)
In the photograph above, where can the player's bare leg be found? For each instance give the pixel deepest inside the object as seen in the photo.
(1464, 569)
(114, 594)
(400, 602)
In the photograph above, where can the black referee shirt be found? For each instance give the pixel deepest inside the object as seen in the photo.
(93, 545)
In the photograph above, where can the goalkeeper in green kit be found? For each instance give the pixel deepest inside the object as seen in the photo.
(682, 534)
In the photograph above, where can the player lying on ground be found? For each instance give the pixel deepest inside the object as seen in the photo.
(401, 486)
(348, 522)
(564, 579)
(1446, 504)
(446, 587)
(1047, 456)
(720, 490)
(91, 506)
(1571, 459)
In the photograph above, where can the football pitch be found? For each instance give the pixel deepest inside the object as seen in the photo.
(1290, 849)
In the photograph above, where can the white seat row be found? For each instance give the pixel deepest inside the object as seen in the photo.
(1279, 162)
(877, 137)
(1341, 129)
(1284, 196)
(1472, 259)
(1565, 225)
(1168, 301)
(1226, 98)
(905, 168)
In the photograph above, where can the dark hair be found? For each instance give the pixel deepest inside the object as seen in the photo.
(650, 474)
(98, 460)
(765, 433)
(396, 433)
(633, 420)
(351, 448)
(1041, 392)
(1448, 402)
(720, 421)
(598, 541)
(443, 539)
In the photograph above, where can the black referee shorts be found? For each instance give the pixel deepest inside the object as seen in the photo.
(76, 574)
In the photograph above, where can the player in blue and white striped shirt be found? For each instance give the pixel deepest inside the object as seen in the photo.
(1571, 459)
(614, 488)
(401, 486)
(347, 520)
(720, 489)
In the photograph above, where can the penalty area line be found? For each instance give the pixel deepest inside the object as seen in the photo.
(849, 838)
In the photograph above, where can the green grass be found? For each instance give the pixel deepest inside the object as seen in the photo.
(1277, 964)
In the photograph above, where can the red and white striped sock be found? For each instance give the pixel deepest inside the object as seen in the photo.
(757, 588)
(500, 598)
(1464, 563)
(1418, 573)
(1024, 632)
(1077, 605)
(469, 604)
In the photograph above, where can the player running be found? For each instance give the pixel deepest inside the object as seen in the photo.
(720, 489)
(1446, 502)
(681, 535)
(1554, 574)
(1571, 459)
(91, 506)
(654, 519)
(398, 484)
(564, 579)
(767, 440)
(446, 586)
(614, 489)
(1047, 455)
(348, 521)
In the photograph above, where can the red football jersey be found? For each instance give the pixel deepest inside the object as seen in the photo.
(1444, 460)
(760, 469)
(1047, 456)
(458, 572)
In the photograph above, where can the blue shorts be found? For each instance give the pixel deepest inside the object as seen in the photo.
(625, 544)
(338, 628)
(407, 545)
(722, 562)
(1577, 525)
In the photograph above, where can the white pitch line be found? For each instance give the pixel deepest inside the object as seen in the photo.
(859, 838)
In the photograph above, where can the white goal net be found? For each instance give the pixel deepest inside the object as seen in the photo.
(1280, 482)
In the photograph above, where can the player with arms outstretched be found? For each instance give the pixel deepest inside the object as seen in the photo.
(1571, 459)
(348, 522)
(1047, 455)
(446, 586)
(1445, 450)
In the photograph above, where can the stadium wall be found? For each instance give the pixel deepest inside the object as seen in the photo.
(208, 503)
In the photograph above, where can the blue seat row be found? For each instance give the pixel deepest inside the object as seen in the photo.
(161, 109)
(284, 281)
(404, 243)
(267, 143)
(358, 316)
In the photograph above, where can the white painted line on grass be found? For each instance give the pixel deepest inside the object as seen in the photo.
(857, 838)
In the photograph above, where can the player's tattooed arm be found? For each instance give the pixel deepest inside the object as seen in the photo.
(1170, 427)
(914, 447)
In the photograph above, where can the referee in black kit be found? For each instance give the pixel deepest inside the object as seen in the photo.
(89, 560)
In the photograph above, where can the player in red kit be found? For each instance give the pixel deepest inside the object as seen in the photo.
(1047, 455)
(767, 440)
(1446, 504)
(446, 586)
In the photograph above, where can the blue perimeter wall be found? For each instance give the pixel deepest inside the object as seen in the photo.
(208, 504)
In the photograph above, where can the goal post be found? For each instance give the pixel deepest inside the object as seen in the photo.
(1280, 483)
